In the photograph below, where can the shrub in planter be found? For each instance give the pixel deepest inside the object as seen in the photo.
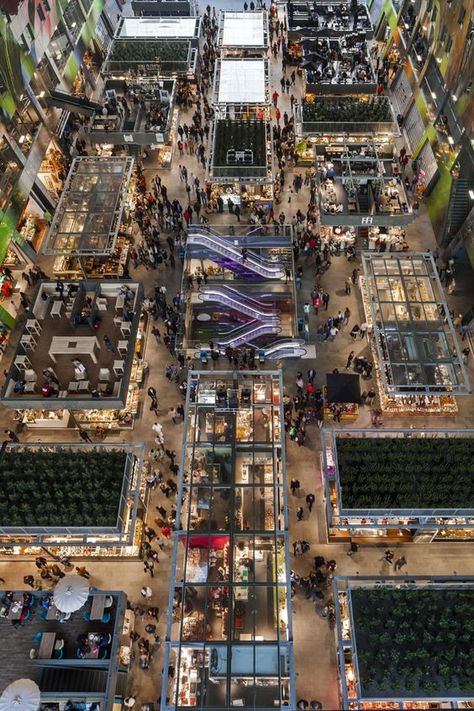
(347, 109)
(146, 51)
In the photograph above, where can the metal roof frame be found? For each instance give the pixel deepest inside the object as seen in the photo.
(412, 270)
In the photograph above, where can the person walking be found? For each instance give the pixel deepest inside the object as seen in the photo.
(299, 513)
(399, 563)
(84, 436)
(146, 592)
(353, 548)
(294, 486)
(350, 358)
(325, 299)
(388, 556)
(12, 436)
(310, 501)
(348, 286)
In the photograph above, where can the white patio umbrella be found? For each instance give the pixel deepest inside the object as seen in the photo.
(21, 695)
(71, 593)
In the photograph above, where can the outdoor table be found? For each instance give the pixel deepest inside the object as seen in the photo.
(73, 345)
(54, 614)
(98, 607)
(56, 308)
(16, 608)
(47, 645)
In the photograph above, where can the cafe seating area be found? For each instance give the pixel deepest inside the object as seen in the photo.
(77, 341)
(35, 634)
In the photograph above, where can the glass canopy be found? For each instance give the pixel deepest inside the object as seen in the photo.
(89, 213)
(229, 623)
(415, 338)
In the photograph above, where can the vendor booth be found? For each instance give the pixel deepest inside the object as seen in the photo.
(342, 396)
(241, 89)
(243, 33)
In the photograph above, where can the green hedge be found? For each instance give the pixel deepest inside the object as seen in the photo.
(347, 109)
(414, 642)
(403, 473)
(61, 488)
(146, 51)
(240, 135)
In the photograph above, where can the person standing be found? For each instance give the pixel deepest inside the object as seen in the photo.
(310, 501)
(13, 437)
(325, 299)
(83, 572)
(399, 563)
(350, 358)
(299, 513)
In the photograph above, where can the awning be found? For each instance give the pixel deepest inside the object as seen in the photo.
(343, 387)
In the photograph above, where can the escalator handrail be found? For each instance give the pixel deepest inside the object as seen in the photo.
(244, 297)
(225, 299)
(252, 260)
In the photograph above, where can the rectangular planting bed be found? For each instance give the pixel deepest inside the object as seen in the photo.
(406, 473)
(63, 489)
(414, 642)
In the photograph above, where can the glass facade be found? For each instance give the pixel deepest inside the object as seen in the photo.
(229, 625)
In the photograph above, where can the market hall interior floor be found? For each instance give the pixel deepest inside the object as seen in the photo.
(315, 652)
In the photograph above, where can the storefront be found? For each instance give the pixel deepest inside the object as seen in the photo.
(230, 596)
(418, 362)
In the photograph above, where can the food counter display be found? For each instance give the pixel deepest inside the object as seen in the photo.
(46, 419)
(348, 411)
(53, 170)
(103, 421)
(32, 229)
(392, 239)
(342, 236)
(241, 194)
(125, 649)
(409, 404)
(111, 267)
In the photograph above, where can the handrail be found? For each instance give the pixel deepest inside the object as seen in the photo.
(254, 263)
(238, 305)
(259, 330)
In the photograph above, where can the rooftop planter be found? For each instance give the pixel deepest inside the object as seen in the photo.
(169, 54)
(63, 489)
(240, 136)
(347, 113)
(413, 473)
(414, 642)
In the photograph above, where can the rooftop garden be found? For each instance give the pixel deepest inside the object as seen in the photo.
(61, 488)
(347, 109)
(240, 136)
(418, 473)
(149, 51)
(414, 642)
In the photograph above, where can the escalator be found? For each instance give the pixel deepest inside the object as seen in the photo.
(75, 104)
(247, 333)
(239, 302)
(230, 257)
(288, 348)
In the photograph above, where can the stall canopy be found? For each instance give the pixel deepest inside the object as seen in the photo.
(89, 213)
(343, 387)
(243, 29)
(242, 81)
(158, 27)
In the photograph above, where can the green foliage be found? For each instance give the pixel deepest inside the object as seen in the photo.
(240, 135)
(149, 51)
(419, 473)
(347, 109)
(61, 488)
(426, 652)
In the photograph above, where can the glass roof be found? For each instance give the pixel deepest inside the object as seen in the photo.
(415, 338)
(89, 213)
(230, 626)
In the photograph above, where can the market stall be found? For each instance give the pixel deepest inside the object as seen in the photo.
(327, 19)
(241, 89)
(342, 396)
(338, 65)
(243, 33)
(418, 362)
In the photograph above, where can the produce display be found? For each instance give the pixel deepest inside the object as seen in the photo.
(414, 642)
(347, 109)
(389, 472)
(240, 136)
(140, 51)
(61, 488)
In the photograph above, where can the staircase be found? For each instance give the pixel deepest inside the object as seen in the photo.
(459, 207)
(233, 258)
(73, 680)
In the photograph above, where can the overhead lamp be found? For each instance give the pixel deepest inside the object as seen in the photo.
(454, 97)
(471, 194)
(418, 57)
(433, 94)
(21, 139)
(40, 96)
(451, 140)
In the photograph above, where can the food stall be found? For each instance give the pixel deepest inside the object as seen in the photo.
(418, 362)
(241, 89)
(342, 396)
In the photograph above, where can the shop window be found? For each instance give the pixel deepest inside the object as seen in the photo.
(449, 44)
(73, 19)
(461, 16)
(60, 48)
(443, 33)
(41, 14)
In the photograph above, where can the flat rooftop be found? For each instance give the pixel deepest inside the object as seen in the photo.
(158, 27)
(241, 81)
(243, 29)
(417, 346)
(89, 212)
(61, 359)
